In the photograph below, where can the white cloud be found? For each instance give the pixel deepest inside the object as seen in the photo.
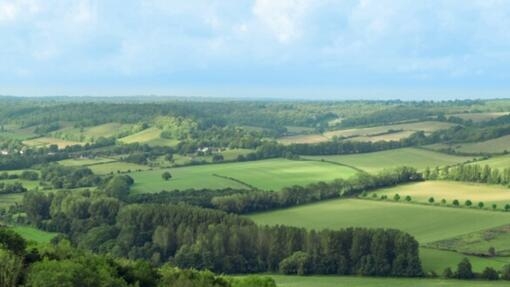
(282, 17)
(11, 10)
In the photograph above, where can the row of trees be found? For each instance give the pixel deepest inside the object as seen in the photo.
(296, 195)
(470, 173)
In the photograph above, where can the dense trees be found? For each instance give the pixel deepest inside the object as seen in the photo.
(471, 173)
(69, 177)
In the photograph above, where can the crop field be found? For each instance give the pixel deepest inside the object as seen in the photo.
(426, 223)
(116, 167)
(105, 130)
(46, 141)
(85, 161)
(384, 137)
(426, 126)
(151, 136)
(352, 281)
(497, 145)
(34, 234)
(422, 191)
(265, 174)
(377, 161)
(301, 139)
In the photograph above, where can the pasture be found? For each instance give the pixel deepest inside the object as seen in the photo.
(426, 223)
(34, 234)
(353, 281)
(377, 161)
(426, 126)
(150, 136)
(46, 141)
(497, 145)
(85, 161)
(116, 167)
(499, 162)
(303, 139)
(480, 117)
(9, 199)
(271, 174)
(449, 190)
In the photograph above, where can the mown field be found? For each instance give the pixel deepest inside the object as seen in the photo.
(497, 145)
(34, 234)
(377, 161)
(352, 281)
(422, 191)
(265, 174)
(500, 162)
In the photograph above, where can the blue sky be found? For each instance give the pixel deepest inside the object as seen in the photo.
(257, 48)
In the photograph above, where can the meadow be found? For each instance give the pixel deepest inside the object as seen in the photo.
(352, 281)
(377, 161)
(426, 126)
(34, 234)
(462, 191)
(271, 174)
(480, 117)
(150, 136)
(46, 141)
(303, 139)
(85, 161)
(500, 162)
(497, 145)
(116, 167)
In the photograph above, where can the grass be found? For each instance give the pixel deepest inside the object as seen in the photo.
(115, 167)
(105, 130)
(497, 145)
(479, 242)
(438, 260)
(303, 139)
(265, 174)
(500, 162)
(426, 126)
(422, 191)
(7, 200)
(34, 234)
(46, 141)
(352, 281)
(151, 136)
(377, 161)
(426, 223)
(85, 161)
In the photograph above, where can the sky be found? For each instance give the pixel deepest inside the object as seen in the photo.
(343, 49)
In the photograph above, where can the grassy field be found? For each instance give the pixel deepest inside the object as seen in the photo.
(352, 281)
(384, 137)
(7, 200)
(265, 174)
(105, 130)
(377, 161)
(151, 136)
(497, 145)
(46, 141)
(479, 242)
(500, 162)
(426, 223)
(115, 167)
(302, 139)
(85, 161)
(422, 191)
(34, 234)
(426, 126)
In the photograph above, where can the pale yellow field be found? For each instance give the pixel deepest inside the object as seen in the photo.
(143, 136)
(386, 137)
(46, 141)
(428, 126)
(299, 139)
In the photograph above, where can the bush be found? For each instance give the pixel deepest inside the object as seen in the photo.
(464, 270)
(490, 274)
(298, 263)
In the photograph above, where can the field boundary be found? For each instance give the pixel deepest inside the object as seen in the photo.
(335, 163)
(237, 180)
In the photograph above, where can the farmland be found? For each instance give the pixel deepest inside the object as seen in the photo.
(151, 136)
(377, 161)
(421, 192)
(426, 126)
(267, 175)
(497, 145)
(46, 141)
(426, 223)
(500, 162)
(352, 281)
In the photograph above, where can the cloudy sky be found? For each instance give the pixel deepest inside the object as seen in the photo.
(264, 48)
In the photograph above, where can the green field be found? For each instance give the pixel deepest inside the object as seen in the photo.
(426, 223)
(497, 145)
(46, 141)
(265, 174)
(377, 161)
(500, 162)
(426, 126)
(480, 117)
(151, 136)
(116, 167)
(352, 281)
(34, 234)
(9, 199)
(422, 191)
(85, 161)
